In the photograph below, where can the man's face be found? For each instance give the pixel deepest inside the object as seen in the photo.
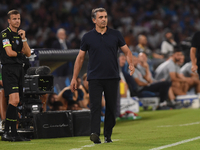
(14, 20)
(142, 57)
(169, 36)
(101, 19)
(54, 98)
(177, 56)
(62, 35)
(122, 61)
(181, 60)
(143, 40)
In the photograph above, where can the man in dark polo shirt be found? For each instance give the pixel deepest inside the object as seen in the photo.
(195, 52)
(102, 44)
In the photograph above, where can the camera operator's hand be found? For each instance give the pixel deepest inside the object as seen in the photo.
(73, 85)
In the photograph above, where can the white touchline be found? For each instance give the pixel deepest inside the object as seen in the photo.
(188, 124)
(174, 144)
(91, 145)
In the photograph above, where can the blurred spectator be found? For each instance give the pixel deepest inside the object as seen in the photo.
(168, 44)
(61, 42)
(187, 72)
(85, 87)
(130, 40)
(143, 47)
(190, 77)
(71, 101)
(143, 67)
(53, 104)
(49, 41)
(154, 59)
(150, 17)
(43, 31)
(75, 39)
(161, 87)
(168, 71)
(122, 84)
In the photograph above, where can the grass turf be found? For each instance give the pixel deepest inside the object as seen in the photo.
(155, 129)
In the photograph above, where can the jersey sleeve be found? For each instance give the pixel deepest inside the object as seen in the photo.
(172, 68)
(121, 41)
(84, 45)
(5, 39)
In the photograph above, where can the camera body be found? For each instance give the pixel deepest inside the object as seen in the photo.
(34, 87)
(38, 84)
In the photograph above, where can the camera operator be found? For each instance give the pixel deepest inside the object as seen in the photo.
(13, 46)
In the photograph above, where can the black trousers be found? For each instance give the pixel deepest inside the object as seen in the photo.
(161, 87)
(110, 88)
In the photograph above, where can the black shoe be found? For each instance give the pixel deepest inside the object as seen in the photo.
(95, 138)
(6, 137)
(18, 138)
(108, 140)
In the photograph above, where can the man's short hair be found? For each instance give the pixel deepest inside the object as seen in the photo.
(177, 49)
(12, 12)
(94, 12)
(144, 53)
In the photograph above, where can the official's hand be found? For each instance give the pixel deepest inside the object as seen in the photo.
(132, 69)
(73, 85)
(1, 82)
(194, 68)
(22, 34)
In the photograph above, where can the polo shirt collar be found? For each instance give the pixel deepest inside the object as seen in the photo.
(108, 29)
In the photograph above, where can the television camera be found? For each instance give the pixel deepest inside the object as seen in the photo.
(37, 82)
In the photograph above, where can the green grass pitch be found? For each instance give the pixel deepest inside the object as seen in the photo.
(155, 129)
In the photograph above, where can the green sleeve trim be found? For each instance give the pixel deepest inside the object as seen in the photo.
(7, 45)
(11, 119)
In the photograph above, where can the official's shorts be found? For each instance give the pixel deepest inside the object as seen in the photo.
(13, 79)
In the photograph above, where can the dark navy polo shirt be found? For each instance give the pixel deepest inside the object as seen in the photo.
(102, 50)
(195, 43)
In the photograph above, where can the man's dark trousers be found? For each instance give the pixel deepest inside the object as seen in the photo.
(96, 88)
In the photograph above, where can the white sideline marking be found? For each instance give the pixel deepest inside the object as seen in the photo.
(188, 124)
(91, 145)
(174, 144)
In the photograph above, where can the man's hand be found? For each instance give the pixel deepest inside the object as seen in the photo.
(145, 65)
(132, 69)
(22, 34)
(1, 83)
(73, 85)
(194, 68)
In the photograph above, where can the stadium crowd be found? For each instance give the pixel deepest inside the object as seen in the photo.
(152, 30)
(42, 19)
